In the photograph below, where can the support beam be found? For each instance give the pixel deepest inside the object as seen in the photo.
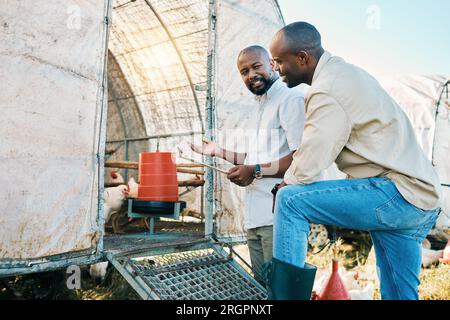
(135, 165)
(184, 183)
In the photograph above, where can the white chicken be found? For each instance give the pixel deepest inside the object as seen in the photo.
(446, 254)
(426, 244)
(98, 271)
(350, 279)
(363, 293)
(430, 256)
(132, 188)
(114, 198)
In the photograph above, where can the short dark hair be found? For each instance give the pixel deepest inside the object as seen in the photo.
(255, 48)
(302, 36)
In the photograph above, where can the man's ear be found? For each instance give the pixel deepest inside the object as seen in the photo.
(272, 64)
(303, 57)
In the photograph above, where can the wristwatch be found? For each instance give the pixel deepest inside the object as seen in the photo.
(258, 173)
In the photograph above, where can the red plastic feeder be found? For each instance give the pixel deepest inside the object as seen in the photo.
(157, 177)
(334, 289)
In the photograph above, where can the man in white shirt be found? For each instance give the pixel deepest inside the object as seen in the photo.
(272, 135)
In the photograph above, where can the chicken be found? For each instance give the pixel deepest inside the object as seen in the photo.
(98, 271)
(133, 188)
(426, 244)
(114, 198)
(363, 293)
(349, 278)
(446, 254)
(430, 257)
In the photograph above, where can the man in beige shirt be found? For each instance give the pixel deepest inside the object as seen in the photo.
(392, 190)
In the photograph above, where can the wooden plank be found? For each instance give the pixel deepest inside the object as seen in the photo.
(135, 165)
(189, 165)
(191, 183)
(184, 183)
(197, 172)
(121, 164)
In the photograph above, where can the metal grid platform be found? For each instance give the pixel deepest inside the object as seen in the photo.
(203, 274)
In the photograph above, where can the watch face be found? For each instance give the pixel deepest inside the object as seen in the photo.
(258, 175)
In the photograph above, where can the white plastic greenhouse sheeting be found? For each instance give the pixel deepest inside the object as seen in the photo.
(51, 73)
(418, 95)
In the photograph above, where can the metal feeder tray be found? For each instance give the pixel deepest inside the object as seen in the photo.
(154, 209)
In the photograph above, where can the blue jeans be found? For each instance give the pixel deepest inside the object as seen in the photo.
(397, 227)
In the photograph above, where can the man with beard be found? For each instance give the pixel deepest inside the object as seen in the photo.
(273, 133)
(392, 190)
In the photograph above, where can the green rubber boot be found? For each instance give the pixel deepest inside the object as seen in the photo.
(285, 281)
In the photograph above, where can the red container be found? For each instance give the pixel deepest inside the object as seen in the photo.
(334, 288)
(155, 157)
(151, 180)
(157, 177)
(163, 191)
(159, 198)
(156, 168)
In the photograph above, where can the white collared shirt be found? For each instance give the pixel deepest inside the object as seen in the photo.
(273, 131)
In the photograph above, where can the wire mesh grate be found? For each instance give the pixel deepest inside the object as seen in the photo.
(196, 275)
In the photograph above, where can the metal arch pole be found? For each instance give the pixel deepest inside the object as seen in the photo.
(119, 109)
(183, 63)
(125, 141)
(210, 114)
(122, 121)
(438, 103)
(279, 11)
(101, 143)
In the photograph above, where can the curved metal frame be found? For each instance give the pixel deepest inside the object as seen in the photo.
(210, 228)
(183, 63)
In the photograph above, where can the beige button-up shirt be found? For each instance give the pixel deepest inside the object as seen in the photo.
(351, 120)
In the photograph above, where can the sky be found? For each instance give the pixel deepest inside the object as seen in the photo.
(385, 37)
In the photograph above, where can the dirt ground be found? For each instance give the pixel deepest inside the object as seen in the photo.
(435, 281)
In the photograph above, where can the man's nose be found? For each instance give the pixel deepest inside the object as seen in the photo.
(252, 74)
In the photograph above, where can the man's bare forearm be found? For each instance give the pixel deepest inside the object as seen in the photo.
(235, 158)
(276, 169)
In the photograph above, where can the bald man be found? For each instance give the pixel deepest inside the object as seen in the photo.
(273, 133)
(392, 190)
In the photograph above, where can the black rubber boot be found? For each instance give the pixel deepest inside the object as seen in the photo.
(285, 281)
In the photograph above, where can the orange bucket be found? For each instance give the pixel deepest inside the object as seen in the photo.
(156, 168)
(151, 180)
(157, 177)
